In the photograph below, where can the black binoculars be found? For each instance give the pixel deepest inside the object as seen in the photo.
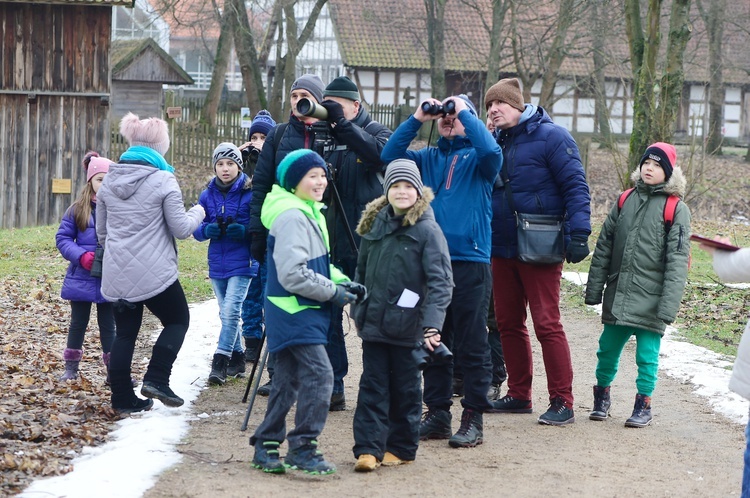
(435, 109)
(441, 355)
(250, 154)
(223, 223)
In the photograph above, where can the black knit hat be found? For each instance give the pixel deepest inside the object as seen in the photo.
(403, 170)
(342, 87)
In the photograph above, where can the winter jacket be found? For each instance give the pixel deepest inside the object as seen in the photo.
(546, 177)
(228, 257)
(72, 243)
(140, 212)
(735, 267)
(640, 267)
(462, 173)
(399, 253)
(357, 172)
(301, 279)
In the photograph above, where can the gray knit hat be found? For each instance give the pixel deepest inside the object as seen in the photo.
(227, 150)
(403, 170)
(312, 83)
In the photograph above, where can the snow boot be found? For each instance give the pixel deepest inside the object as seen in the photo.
(641, 416)
(252, 349)
(601, 403)
(236, 365)
(72, 358)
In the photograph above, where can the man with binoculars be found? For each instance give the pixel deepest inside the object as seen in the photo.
(461, 170)
(332, 121)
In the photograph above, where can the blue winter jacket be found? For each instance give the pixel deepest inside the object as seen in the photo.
(461, 172)
(546, 177)
(228, 257)
(72, 243)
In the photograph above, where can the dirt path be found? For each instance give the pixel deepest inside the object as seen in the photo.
(688, 451)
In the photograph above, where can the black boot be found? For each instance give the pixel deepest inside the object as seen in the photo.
(601, 403)
(470, 433)
(236, 366)
(218, 375)
(252, 349)
(641, 416)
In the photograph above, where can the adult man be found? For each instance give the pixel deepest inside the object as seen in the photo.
(461, 170)
(545, 176)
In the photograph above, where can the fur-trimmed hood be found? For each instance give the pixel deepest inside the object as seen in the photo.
(410, 218)
(676, 185)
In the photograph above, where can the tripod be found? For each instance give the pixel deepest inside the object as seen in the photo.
(254, 380)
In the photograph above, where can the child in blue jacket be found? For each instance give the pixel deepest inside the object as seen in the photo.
(230, 267)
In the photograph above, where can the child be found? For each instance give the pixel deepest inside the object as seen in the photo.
(302, 287)
(644, 265)
(226, 201)
(76, 240)
(403, 253)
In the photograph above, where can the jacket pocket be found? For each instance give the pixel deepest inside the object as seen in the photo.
(400, 323)
(648, 286)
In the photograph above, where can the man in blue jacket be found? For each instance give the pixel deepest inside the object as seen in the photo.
(461, 170)
(544, 171)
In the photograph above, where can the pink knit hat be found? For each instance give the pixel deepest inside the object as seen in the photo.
(150, 132)
(97, 165)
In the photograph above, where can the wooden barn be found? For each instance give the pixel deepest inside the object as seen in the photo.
(54, 102)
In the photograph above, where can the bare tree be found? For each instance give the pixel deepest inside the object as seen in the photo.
(714, 18)
(436, 45)
(600, 9)
(499, 9)
(557, 51)
(221, 62)
(247, 55)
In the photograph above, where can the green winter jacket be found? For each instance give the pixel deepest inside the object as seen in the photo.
(640, 268)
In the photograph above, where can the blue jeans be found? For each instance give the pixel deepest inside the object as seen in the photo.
(746, 471)
(230, 292)
(303, 374)
(252, 306)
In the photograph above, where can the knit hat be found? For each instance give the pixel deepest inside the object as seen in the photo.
(296, 165)
(227, 150)
(507, 90)
(262, 123)
(97, 165)
(469, 103)
(312, 83)
(403, 170)
(342, 87)
(663, 153)
(150, 132)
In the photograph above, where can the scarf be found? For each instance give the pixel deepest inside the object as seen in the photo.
(147, 155)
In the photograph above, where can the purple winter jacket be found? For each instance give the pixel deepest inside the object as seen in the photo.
(78, 285)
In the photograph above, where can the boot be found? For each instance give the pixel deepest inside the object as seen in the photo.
(266, 457)
(236, 365)
(252, 349)
(107, 381)
(218, 375)
(308, 459)
(470, 433)
(601, 403)
(72, 358)
(436, 424)
(641, 416)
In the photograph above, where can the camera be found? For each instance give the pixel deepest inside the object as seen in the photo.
(435, 109)
(441, 355)
(223, 223)
(307, 107)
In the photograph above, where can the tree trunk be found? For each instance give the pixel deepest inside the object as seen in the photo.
(292, 49)
(556, 54)
(273, 24)
(499, 8)
(714, 20)
(221, 61)
(601, 110)
(436, 46)
(244, 46)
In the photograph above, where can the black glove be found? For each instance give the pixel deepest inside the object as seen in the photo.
(335, 111)
(236, 231)
(592, 301)
(578, 248)
(342, 297)
(357, 289)
(258, 247)
(212, 231)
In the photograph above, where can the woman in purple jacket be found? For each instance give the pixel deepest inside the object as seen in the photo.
(76, 240)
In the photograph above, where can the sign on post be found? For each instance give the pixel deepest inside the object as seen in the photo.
(174, 112)
(246, 120)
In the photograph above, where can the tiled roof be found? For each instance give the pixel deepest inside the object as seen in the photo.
(392, 34)
(102, 3)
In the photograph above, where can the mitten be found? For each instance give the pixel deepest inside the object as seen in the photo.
(335, 111)
(236, 231)
(87, 260)
(258, 247)
(578, 248)
(357, 289)
(342, 297)
(212, 231)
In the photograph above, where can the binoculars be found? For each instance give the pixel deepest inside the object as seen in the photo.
(441, 355)
(307, 107)
(250, 154)
(223, 223)
(435, 109)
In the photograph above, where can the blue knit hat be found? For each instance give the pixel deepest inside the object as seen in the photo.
(296, 165)
(469, 103)
(262, 123)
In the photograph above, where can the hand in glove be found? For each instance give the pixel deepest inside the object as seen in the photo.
(357, 289)
(236, 231)
(87, 259)
(212, 231)
(578, 248)
(258, 247)
(335, 111)
(342, 297)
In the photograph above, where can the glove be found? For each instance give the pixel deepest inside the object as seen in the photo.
(578, 249)
(592, 301)
(335, 111)
(212, 231)
(258, 247)
(357, 289)
(87, 260)
(342, 297)
(236, 231)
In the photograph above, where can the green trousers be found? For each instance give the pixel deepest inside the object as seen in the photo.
(611, 344)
